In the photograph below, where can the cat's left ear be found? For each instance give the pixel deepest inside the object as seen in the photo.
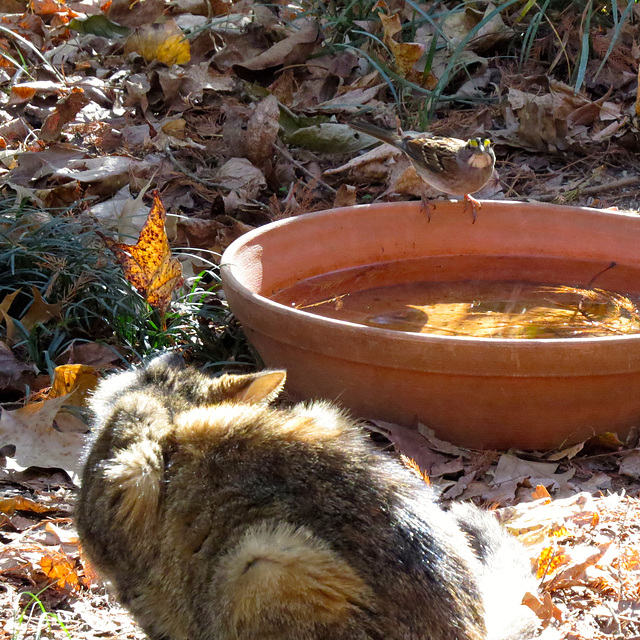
(254, 388)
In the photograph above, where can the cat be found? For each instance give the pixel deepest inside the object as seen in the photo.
(217, 516)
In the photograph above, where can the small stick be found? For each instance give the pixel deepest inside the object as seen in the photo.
(287, 156)
(595, 189)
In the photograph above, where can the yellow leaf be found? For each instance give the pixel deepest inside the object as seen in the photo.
(148, 264)
(75, 380)
(162, 42)
(405, 54)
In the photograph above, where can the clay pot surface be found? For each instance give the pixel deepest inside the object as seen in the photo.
(475, 392)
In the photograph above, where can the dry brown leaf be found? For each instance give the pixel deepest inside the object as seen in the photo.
(346, 196)
(40, 311)
(91, 353)
(148, 264)
(47, 7)
(543, 608)
(575, 573)
(136, 13)
(550, 560)
(21, 94)
(295, 49)
(241, 176)
(262, 132)
(541, 493)
(13, 373)
(64, 112)
(410, 443)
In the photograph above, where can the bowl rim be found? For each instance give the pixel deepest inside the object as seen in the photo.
(229, 267)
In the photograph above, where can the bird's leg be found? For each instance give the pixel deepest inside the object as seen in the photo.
(470, 201)
(426, 205)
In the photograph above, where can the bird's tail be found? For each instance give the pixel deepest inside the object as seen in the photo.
(390, 137)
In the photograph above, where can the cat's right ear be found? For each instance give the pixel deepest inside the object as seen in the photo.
(253, 388)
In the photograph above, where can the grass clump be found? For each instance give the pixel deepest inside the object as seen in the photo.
(60, 284)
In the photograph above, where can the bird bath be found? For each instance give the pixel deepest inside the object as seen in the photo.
(476, 391)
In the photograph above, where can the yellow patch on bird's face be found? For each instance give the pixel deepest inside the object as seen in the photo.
(482, 156)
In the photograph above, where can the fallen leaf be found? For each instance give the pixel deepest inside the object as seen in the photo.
(148, 264)
(240, 175)
(328, 137)
(10, 505)
(135, 14)
(294, 49)
(549, 561)
(162, 42)
(630, 464)
(60, 568)
(262, 132)
(91, 353)
(40, 311)
(405, 54)
(46, 7)
(13, 373)
(99, 25)
(409, 443)
(37, 444)
(543, 608)
(64, 112)
(346, 196)
(75, 381)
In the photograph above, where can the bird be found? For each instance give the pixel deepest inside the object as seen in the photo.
(453, 166)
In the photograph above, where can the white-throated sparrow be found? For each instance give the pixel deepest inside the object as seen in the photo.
(454, 166)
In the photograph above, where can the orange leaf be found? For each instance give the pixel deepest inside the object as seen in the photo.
(46, 7)
(20, 503)
(75, 380)
(541, 492)
(20, 94)
(544, 609)
(148, 264)
(549, 561)
(58, 567)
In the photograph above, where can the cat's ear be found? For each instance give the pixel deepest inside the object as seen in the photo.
(254, 388)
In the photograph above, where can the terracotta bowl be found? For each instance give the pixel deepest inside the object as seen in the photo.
(477, 392)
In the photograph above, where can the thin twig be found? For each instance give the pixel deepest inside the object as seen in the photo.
(193, 176)
(595, 189)
(287, 156)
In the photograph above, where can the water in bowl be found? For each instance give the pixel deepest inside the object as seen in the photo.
(530, 303)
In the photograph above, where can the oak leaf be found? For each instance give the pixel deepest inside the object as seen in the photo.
(148, 264)
(40, 311)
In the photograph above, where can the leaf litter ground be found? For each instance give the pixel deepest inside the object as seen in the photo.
(235, 113)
